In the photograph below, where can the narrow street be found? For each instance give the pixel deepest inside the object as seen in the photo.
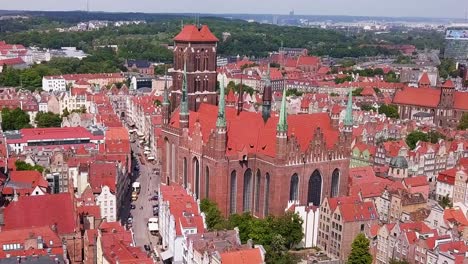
(143, 205)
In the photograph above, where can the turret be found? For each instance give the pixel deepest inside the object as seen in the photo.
(348, 120)
(266, 107)
(184, 113)
(282, 130)
(220, 143)
(447, 94)
(240, 98)
(166, 111)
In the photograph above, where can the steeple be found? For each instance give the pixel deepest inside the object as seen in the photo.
(184, 114)
(240, 98)
(266, 107)
(282, 126)
(221, 121)
(348, 120)
(165, 104)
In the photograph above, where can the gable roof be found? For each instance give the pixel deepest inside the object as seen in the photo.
(191, 33)
(44, 210)
(245, 256)
(428, 97)
(424, 80)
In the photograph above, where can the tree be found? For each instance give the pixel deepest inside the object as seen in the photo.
(390, 111)
(463, 122)
(445, 202)
(415, 136)
(357, 91)
(212, 213)
(368, 107)
(360, 251)
(23, 166)
(14, 119)
(65, 113)
(48, 119)
(277, 253)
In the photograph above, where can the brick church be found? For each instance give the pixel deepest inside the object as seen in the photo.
(245, 161)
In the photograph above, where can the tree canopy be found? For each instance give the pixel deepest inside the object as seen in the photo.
(360, 251)
(23, 166)
(14, 119)
(415, 136)
(390, 111)
(48, 119)
(276, 234)
(463, 122)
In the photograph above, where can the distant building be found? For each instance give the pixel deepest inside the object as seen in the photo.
(140, 66)
(456, 42)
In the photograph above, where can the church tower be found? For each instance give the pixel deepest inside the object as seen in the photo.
(220, 143)
(166, 111)
(447, 95)
(282, 130)
(195, 46)
(348, 120)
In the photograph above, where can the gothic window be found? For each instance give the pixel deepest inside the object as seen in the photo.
(294, 188)
(266, 202)
(197, 62)
(185, 172)
(314, 192)
(207, 182)
(173, 163)
(335, 183)
(233, 192)
(168, 157)
(206, 62)
(247, 192)
(196, 174)
(257, 191)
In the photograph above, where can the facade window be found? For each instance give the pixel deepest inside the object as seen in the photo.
(314, 193)
(196, 172)
(207, 182)
(294, 188)
(247, 192)
(266, 202)
(233, 192)
(257, 191)
(185, 172)
(335, 183)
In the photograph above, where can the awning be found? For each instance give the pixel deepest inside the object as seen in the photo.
(150, 158)
(147, 152)
(139, 134)
(166, 255)
(141, 141)
(147, 148)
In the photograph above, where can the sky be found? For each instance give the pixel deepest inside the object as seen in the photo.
(394, 8)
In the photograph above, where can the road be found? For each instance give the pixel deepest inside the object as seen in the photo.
(143, 206)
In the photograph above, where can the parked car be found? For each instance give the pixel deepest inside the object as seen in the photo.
(132, 206)
(156, 213)
(154, 198)
(147, 247)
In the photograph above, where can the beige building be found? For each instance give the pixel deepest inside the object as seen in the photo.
(402, 202)
(341, 220)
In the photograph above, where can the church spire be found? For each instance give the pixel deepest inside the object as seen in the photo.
(165, 104)
(166, 92)
(240, 98)
(348, 120)
(266, 107)
(221, 121)
(282, 126)
(184, 113)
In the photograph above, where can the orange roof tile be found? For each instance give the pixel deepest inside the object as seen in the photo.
(428, 97)
(245, 256)
(191, 33)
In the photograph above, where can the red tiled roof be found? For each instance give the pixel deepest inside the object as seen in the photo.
(448, 84)
(308, 60)
(248, 133)
(32, 177)
(55, 133)
(42, 210)
(12, 61)
(447, 176)
(428, 97)
(22, 235)
(455, 215)
(416, 181)
(190, 33)
(460, 100)
(362, 211)
(424, 80)
(231, 98)
(245, 256)
(102, 174)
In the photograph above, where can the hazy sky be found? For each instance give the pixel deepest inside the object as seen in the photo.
(420, 8)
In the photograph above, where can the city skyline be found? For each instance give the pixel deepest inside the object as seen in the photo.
(397, 8)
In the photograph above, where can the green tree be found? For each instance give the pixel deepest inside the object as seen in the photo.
(445, 202)
(415, 136)
(357, 91)
(14, 119)
(48, 119)
(360, 251)
(390, 111)
(368, 107)
(23, 166)
(277, 253)
(448, 68)
(463, 122)
(212, 213)
(65, 113)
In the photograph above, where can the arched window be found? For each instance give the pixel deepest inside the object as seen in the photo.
(247, 193)
(173, 163)
(314, 193)
(168, 157)
(185, 172)
(266, 203)
(207, 182)
(335, 183)
(294, 188)
(257, 191)
(233, 193)
(196, 176)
